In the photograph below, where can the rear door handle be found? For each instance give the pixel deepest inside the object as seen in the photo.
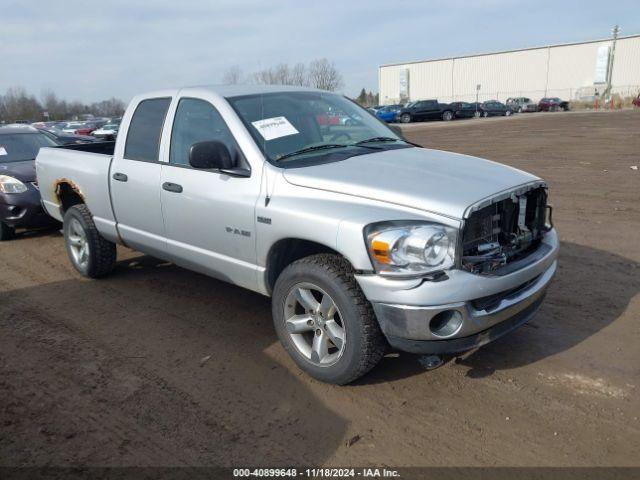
(121, 177)
(172, 187)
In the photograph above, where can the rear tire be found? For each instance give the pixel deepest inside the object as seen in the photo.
(302, 321)
(447, 116)
(7, 232)
(90, 253)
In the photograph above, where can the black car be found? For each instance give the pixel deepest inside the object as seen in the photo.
(19, 194)
(425, 110)
(466, 110)
(494, 108)
(62, 138)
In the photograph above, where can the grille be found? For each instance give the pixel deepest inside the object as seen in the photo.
(504, 231)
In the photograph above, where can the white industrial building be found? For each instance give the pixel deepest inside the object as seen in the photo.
(570, 71)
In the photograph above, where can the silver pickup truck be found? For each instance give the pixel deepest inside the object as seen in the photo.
(363, 240)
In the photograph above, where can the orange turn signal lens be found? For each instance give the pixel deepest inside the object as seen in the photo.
(380, 251)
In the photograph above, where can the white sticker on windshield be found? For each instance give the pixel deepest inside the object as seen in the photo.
(3, 151)
(276, 127)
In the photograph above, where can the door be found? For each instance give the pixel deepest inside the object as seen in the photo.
(432, 110)
(209, 216)
(135, 180)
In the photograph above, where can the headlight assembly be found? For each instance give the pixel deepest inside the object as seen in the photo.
(11, 185)
(411, 248)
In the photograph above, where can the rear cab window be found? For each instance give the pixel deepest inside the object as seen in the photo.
(145, 130)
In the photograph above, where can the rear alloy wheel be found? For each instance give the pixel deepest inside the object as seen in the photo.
(405, 118)
(520, 110)
(477, 114)
(91, 254)
(485, 114)
(507, 113)
(447, 116)
(324, 321)
(7, 232)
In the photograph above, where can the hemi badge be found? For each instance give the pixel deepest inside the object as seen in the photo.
(264, 220)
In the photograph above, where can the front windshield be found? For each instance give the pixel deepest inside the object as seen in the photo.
(17, 147)
(301, 128)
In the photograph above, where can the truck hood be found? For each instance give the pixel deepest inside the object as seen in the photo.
(24, 171)
(432, 180)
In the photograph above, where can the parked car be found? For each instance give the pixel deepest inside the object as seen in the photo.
(19, 196)
(425, 110)
(86, 129)
(636, 101)
(388, 113)
(72, 127)
(552, 104)
(361, 239)
(466, 110)
(326, 119)
(521, 104)
(107, 132)
(494, 108)
(66, 139)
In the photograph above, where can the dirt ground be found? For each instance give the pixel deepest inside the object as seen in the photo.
(156, 365)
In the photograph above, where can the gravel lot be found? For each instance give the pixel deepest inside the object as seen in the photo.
(156, 365)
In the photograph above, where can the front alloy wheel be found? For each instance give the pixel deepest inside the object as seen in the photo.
(314, 324)
(405, 118)
(324, 321)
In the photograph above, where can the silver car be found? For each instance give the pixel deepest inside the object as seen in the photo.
(363, 240)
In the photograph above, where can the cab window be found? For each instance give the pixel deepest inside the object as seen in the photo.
(197, 121)
(145, 130)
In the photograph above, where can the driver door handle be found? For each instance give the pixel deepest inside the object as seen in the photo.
(172, 187)
(121, 177)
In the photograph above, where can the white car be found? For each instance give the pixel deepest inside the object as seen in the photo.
(71, 127)
(107, 132)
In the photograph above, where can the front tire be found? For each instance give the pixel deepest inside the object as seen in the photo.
(90, 254)
(447, 116)
(7, 232)
(324, 321)
(405, 118)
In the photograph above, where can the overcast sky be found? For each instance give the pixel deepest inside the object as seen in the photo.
(91, 50)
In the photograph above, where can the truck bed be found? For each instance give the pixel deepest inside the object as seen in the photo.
(82, 169)
(103, 148)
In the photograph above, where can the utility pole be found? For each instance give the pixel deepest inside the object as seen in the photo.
(614, 32)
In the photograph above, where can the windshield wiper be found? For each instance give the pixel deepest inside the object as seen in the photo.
(378, 139)
(326, 146)
(387, 139)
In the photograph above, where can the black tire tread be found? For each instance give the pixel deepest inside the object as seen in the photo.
(103, 251)
(374, 344)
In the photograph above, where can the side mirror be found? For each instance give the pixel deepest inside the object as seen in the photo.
(210, 154)
(397, 130)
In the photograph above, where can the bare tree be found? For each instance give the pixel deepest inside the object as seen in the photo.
(299, 75)
(232, 76)
(320, 74)
(324, 75)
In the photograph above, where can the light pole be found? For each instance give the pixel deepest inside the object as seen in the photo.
(614, 32)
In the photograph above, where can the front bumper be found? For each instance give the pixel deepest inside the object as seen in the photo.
(488, 306)
(23, 209)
